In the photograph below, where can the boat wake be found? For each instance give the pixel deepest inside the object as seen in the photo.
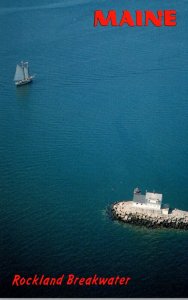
(64, 4)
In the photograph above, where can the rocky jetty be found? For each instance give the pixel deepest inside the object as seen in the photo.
(125, 211)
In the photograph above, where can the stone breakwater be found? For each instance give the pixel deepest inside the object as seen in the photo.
(124, 211)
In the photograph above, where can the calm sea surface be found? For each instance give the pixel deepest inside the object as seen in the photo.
(107, 112)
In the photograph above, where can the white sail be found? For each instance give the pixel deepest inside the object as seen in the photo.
(26, 70)
(19, 75)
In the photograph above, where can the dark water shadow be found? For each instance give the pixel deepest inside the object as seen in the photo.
(23, 91)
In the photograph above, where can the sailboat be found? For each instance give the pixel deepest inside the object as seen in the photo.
(22, 75)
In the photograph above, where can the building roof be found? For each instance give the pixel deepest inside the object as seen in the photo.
(154, 196)
(140, 198)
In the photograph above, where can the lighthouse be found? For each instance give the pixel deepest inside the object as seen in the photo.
(148, 201)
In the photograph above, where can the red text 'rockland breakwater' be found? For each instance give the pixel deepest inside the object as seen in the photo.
(140, 18)
(70, 279)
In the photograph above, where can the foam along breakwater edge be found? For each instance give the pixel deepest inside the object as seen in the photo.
(141, 213)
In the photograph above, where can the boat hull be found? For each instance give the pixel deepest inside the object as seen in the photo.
(25, 81)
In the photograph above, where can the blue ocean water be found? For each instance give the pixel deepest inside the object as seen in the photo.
(107, 112)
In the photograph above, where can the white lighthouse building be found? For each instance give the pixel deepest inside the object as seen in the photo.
(148, 201)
